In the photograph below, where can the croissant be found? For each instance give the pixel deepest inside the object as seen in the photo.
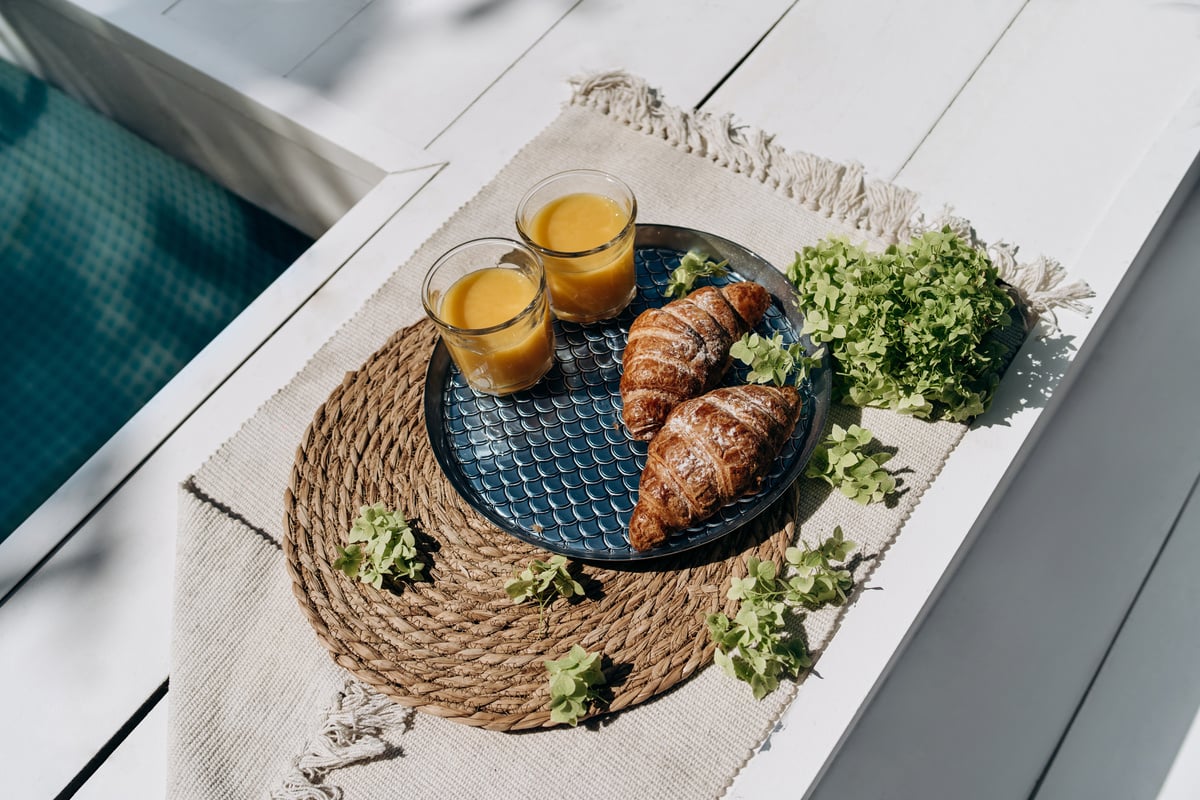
(681, 350)
(710, 451)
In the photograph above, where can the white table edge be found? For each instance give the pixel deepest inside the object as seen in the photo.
(814, 727)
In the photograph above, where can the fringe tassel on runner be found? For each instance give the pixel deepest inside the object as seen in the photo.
(837, 190)
(351, 733)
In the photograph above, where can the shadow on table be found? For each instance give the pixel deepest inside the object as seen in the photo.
(67, 572)
(1031, 378)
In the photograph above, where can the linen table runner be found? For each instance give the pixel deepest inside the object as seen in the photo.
(258, 707)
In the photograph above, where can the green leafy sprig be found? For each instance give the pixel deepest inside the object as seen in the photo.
(692, 267)
(839, 460)
(816, 581)
(771, 361)
(573, 684)
(541, 582)
(755, 646)
(911, 328)
(381, 544)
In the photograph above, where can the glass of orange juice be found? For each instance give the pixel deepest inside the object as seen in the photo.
(581, 222)
(488, 300)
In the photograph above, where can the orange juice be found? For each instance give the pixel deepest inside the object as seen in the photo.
(513, 357)
(585, 285)
(577, 222)
(487, 298)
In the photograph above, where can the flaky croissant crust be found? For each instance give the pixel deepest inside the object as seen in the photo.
(710, 451)
(681, 350)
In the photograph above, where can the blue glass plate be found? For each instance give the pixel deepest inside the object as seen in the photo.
(554, 466)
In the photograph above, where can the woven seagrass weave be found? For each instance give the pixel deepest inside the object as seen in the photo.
(455, 645)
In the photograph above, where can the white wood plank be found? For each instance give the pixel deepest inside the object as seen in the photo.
(1183, 779)
(137, 768)
(1053, 124)
(437, 56)
(272, 35)
(656, 41)
(863, 80)
(1138, 711)
(64, 638)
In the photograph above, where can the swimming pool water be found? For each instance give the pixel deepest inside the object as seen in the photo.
(118, 264)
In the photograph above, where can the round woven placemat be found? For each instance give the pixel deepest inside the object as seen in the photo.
(454, 645)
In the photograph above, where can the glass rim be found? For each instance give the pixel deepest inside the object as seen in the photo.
(539, 291)
(595, 173)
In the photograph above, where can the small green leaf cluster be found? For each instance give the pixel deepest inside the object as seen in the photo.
(542, 581)
(771, 361)
(692, 267)
(381, 544)
(816, 581)
(754, 646)
(839, 460)
(911, 328)
(573, 682)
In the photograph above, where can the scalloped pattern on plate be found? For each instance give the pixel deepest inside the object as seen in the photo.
(554, 465)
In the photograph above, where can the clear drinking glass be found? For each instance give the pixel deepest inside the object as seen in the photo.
(582, 224)
(488, 300)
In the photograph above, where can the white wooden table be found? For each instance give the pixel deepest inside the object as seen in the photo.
(1066, 126)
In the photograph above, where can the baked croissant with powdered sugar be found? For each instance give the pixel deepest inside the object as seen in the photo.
(710, 451)
(681, 350)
